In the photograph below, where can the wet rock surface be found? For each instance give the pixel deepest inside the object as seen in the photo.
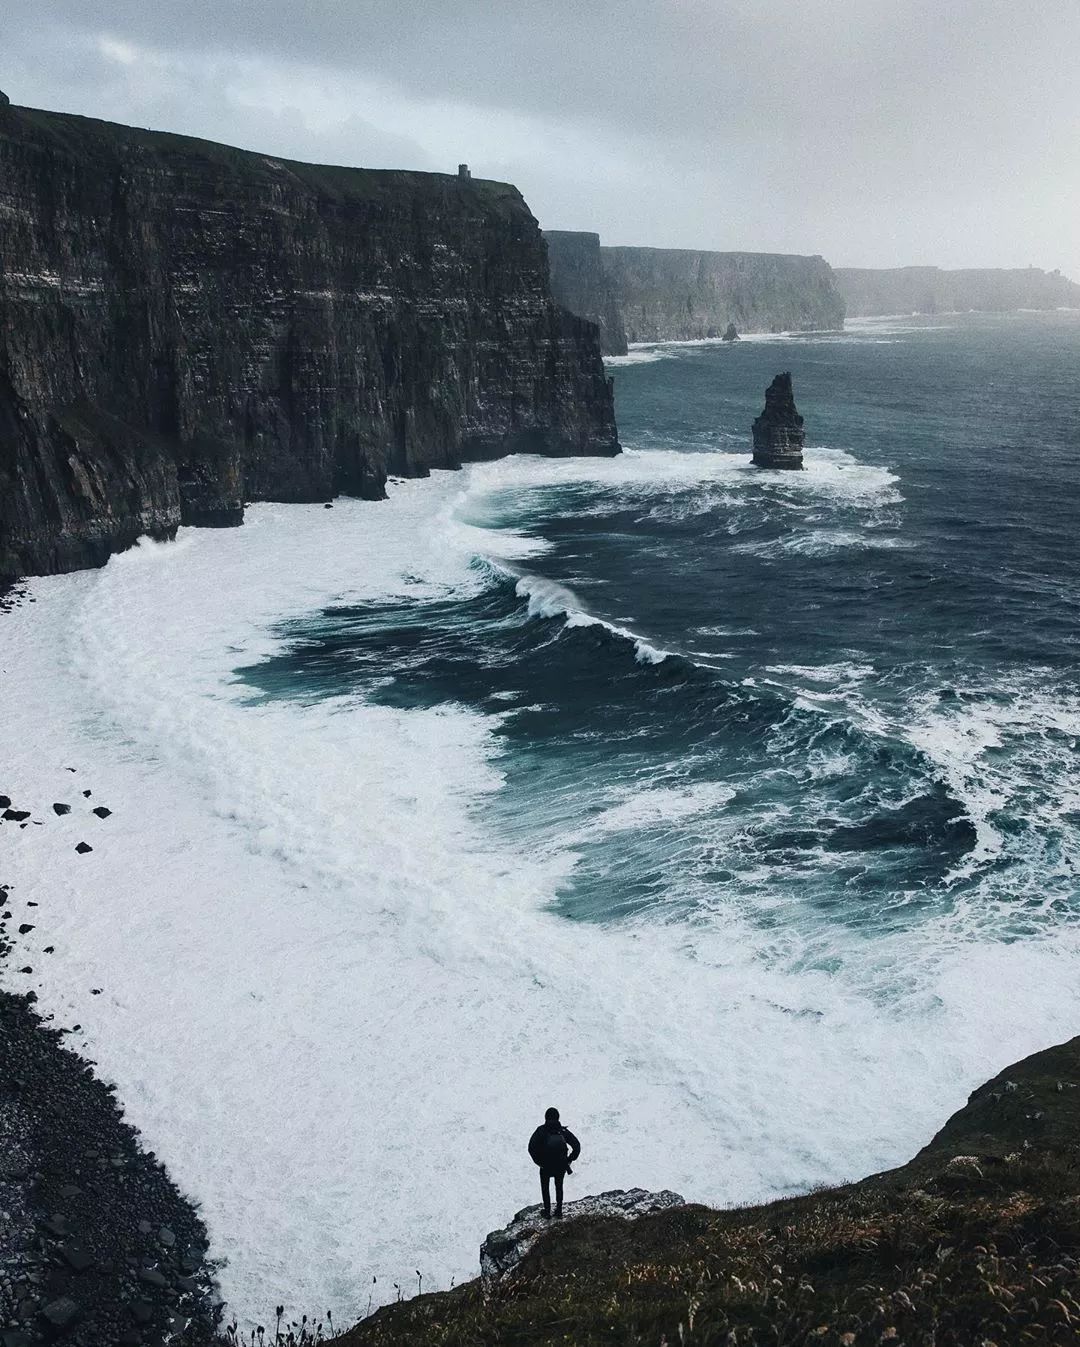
(75, 1266)
(97, 1246)
(778, 432)
(504, 1249)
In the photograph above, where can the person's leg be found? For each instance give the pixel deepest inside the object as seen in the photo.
(558, 1192)
(545, 1190)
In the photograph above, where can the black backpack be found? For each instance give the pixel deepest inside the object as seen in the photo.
(554, 1149)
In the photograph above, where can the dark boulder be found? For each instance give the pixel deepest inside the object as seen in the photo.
(61, 1312)
(101, 811)
(83, 848)
(61, 809)
(731, 333)
(778, 431)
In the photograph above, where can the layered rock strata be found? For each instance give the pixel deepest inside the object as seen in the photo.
(778, 431)
(667, 294)
(580, 284)
(185, 327)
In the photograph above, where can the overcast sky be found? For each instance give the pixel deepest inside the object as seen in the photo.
(876, 132)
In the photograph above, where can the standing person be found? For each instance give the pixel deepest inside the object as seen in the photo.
(553, 1148)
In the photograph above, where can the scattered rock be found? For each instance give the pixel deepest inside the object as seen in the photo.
(25, 928)
(87, 793)
(101, 811)
(61, 1312)
(61, 808)
(504, 1249)
(5, 801)
(83, 848)
(76, 1257)
(778, 432)
(16, 815)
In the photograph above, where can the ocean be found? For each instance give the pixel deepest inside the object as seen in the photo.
(734, 813)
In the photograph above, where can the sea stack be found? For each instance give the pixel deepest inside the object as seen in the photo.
(778, 431)
(731, 333)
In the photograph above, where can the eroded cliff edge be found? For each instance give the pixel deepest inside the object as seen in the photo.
(185, 327)
(675, 294)
(580, 284)
(678, 294)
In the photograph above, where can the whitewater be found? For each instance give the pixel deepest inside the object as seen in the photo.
(336, 988)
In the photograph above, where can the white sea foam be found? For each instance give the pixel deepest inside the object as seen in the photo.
(638, 355)
(843, 672)
(335, 1000)
(656, 805)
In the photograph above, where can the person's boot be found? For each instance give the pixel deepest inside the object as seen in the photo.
(547, 1213)
(558, 1212)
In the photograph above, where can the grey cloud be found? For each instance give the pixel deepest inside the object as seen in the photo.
(874, 131)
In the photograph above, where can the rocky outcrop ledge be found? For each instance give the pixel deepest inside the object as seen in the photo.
(975, 1241)
(504, 1249)
(778, 431)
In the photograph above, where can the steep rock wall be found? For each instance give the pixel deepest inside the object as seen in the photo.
(580, 284)
(871, 293)
(667, 294)
(184, 327)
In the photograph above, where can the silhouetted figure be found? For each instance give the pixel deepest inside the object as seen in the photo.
(554, 1148)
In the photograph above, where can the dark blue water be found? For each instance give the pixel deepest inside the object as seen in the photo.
(844, 702)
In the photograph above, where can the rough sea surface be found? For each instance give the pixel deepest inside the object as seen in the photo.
(734, 813)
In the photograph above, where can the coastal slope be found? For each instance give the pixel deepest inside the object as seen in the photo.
(185, 327)
(873, 293)
(974, 1241)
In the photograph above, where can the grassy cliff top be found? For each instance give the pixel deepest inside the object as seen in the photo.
(975, 1241)
(89, 139)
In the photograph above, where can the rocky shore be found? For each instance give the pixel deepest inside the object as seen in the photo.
(98, 1248)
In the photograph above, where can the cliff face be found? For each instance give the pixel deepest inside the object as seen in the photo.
(185, 326)
(870, 293)
(676, 295)
(580, 284)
